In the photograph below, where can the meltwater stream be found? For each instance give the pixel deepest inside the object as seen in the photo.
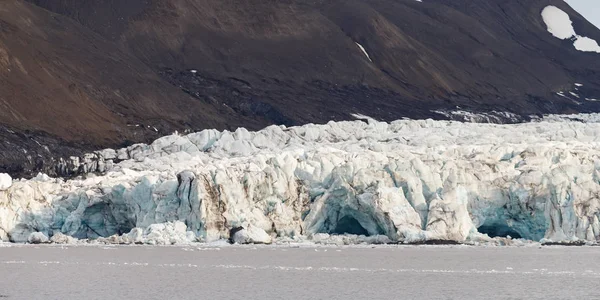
(270, 272)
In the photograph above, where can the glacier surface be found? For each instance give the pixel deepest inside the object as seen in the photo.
(405, 181)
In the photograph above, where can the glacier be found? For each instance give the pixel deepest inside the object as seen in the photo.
(406, 181)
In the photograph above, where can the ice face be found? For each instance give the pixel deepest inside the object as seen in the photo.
(407, 180)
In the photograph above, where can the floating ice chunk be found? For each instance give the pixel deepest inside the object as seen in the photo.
(250, 234)
(60, 238)
(348, 239)
(37, 238)
(170, 233)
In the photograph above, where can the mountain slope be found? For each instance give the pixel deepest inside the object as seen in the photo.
(588, 9)
(80, 75)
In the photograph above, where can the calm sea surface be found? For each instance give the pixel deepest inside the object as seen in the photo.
(228, 272)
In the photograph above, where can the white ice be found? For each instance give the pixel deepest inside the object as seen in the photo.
(364, 51)
(169, 233)
(574, 94)
(5, 181)
(406, 180)
(37, 238)
(250, 234)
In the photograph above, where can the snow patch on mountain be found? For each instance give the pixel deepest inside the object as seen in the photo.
(560, 25)
(362, 117)
(558, 22)
(407, 181)
(364, 51)
(586, 44)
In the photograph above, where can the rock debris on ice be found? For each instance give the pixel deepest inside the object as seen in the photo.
(405, 181)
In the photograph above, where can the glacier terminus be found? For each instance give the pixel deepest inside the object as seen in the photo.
(407, 181)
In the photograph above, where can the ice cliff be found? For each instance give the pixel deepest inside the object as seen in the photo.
(407, 180)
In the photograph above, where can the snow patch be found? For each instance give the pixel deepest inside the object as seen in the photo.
(363, 117)
(560, 25)
(558, 22)
(586, 44)
(562, 94)
(364, 51)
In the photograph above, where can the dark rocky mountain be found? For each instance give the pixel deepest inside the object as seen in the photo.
(80, 75)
